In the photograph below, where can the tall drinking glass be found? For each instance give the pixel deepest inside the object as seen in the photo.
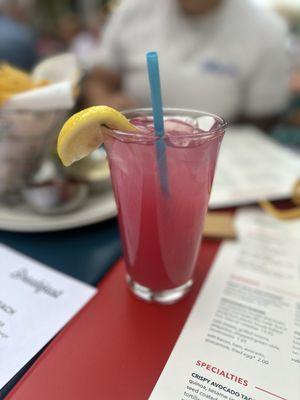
(161, 229)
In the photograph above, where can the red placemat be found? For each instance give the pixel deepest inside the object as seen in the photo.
(115, 348)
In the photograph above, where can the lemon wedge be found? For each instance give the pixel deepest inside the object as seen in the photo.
(84, 132)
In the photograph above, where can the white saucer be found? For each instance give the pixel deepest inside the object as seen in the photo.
(99, 207)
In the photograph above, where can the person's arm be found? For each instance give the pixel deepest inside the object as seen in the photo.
(266, 91)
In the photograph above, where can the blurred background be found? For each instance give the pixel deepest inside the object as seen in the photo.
(76, 25)
(238, 59)
(52, 26)
(31, 30)
(99, 32)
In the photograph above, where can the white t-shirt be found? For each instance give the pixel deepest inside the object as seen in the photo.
(231, 61)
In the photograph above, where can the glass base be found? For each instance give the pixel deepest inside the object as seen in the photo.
(168, 296)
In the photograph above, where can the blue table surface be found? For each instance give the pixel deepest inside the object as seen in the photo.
(84, 253)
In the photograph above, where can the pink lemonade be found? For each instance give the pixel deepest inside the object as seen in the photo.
(161, 232)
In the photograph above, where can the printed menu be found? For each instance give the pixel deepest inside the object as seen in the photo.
(242, 338)
(246, 174)
(35, 303)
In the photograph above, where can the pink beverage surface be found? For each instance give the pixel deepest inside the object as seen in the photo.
(161, 233)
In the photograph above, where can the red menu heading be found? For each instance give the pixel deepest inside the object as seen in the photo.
(221, 372)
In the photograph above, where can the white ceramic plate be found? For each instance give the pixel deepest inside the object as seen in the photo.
(99, 207)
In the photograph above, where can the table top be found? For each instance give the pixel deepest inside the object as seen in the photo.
(116, 347)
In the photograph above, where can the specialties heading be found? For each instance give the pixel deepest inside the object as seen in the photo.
(218, 371)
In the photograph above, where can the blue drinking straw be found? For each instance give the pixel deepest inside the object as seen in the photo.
(158, 118)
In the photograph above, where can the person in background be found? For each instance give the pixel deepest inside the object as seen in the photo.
(223, 56)
(67, 27)
(17, 40)
(57, 34)
(86, 43)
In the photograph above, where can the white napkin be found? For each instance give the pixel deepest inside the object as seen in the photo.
(63, 73)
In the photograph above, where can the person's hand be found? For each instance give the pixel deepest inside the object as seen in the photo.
(295, 82)
(102, 87)
(120, 101)
(95, 95)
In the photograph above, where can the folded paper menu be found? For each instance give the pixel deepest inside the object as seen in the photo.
(253, 167)
(35, 303)
(242, 339)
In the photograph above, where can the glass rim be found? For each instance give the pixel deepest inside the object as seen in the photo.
(179, 112)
